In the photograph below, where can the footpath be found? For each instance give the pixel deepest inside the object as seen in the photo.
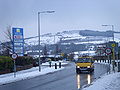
(106, 82)
(29, 73)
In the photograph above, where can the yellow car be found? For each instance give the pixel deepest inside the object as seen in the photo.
(84, 63)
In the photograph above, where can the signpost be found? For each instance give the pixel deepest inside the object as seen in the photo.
(18, 45)
(14, 56)
(113, 46)
(108, 51)
(18, 41)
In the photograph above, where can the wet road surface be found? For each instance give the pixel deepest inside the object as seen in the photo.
(66, 79)
(84, 79)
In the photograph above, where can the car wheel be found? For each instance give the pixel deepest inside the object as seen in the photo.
(78, 71)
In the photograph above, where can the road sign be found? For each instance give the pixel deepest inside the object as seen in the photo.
(108, 51)
(14, 56)
(100, 51)
(113, 45)
(18, 41)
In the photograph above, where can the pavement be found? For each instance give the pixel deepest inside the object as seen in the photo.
(29, 73)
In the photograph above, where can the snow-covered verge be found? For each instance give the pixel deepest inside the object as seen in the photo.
(106, 82)
(26, 74)
(53, 63)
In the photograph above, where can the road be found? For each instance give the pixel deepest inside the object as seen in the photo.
(66, 79)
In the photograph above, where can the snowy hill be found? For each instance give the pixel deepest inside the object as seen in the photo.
(67, 37)
(52, 39)
(66, 42)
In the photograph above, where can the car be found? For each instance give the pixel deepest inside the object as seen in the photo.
(84, 63)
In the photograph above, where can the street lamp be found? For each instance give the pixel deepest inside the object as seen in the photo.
(112, 28)
(39, 34)
(113, 46)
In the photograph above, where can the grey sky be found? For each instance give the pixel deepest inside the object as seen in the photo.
(69, 15)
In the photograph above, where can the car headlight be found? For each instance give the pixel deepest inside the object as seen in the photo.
(78, 66)
(88, 66)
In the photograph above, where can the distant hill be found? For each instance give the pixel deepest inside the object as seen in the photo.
(71, 36)
(69, 41)
(96, 33)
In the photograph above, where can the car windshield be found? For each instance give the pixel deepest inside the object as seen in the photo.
(84, 60)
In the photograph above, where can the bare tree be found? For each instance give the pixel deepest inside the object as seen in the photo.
(8, 34)
(45, 50)
(8, 44)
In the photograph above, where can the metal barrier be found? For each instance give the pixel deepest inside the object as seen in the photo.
(101, 69)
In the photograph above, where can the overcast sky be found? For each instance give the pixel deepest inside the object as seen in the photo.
(69, 15)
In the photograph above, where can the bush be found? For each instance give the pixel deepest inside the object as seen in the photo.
(24, 60)
(6, 63)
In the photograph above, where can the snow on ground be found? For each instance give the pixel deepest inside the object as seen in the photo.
(26, 74)
(53, 63)
(106, 82)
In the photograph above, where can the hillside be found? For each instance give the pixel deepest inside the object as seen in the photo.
(69, 41)
(73, 36)
(96, 33)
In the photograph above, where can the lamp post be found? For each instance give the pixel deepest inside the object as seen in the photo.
(113, 46)
(39, 34)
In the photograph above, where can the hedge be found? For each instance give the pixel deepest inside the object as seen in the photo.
(6, 63)
(24, 60)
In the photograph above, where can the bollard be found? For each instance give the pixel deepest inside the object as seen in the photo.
(55, 65)
(50, 64)
(110, 61)
(105, 61)
(59, 64)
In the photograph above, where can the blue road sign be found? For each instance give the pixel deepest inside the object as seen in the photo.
(18, 41)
